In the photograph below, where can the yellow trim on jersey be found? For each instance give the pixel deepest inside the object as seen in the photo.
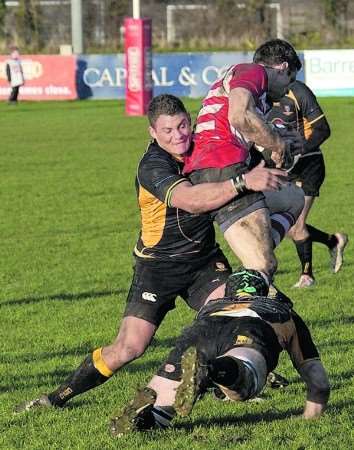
(99, 363)
(169, 191)
(292, 96)
(153, 217)
(141, 254)
(307, 128)
(315, 120)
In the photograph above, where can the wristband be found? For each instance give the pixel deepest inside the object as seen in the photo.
(239, 184)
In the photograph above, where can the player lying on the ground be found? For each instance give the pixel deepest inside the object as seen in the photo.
(233, 344)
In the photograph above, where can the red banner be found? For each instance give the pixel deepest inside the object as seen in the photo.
(49, 77)
(138, 63)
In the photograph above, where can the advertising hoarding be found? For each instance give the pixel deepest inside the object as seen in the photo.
(138, 65)
(330, 72)
(47, 77)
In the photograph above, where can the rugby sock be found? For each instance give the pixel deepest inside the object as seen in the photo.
(304, 251)
(163, 415)
(317, 235)
(281, 223)
(92, 372)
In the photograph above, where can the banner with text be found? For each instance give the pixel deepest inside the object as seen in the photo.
(330, 72)
(48, 77)
(181, 74)
(327, 72)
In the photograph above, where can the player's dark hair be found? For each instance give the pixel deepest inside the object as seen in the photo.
(277, 51)
(165, 104)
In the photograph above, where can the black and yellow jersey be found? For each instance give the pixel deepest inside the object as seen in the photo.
(168, 233)
(299, 110)
(270, 326)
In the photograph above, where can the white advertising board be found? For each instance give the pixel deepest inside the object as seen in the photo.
(330, 72)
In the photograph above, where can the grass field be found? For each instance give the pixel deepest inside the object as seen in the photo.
(68, 225)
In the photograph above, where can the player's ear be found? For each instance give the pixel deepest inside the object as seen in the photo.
(284, 65)
(152, 132)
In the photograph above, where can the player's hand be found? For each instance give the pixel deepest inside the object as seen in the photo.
(293, 138)
(313, 410)
(261, 178)
(278, 157)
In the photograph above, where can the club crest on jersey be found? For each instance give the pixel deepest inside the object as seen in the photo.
(220, 266)
(287, 110)
(149, 297)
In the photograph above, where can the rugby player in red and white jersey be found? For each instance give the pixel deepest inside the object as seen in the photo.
(230, 121)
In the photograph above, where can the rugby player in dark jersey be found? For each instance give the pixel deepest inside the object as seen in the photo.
(233, 344)
(176, 253)
(299, 110)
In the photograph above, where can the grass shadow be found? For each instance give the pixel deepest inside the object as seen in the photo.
(63, 297)
(246, 419)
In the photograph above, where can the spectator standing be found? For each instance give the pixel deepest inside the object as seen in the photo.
(14, 73)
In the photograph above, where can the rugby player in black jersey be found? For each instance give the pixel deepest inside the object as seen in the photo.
(299, 110)
(233, 344)
(176, 253)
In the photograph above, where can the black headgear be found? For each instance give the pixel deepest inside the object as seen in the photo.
(246, 282)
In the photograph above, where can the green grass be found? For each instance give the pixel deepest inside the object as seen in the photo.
(68, 224)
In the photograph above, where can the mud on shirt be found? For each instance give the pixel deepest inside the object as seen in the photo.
(217, 144)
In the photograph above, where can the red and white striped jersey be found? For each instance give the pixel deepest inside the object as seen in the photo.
(217, 143)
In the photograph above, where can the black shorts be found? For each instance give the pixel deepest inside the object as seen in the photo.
(237, 208)
(309, 173)
(214, 336)
(156, 285)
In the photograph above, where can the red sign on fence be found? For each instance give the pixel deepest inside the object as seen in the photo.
(138, 63)
(49, 77)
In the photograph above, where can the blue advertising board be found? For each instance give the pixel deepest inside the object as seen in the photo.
(181, 74)
(100, 76)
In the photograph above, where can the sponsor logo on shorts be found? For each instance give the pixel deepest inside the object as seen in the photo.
(243, 340)
(149, 297)
(220, 266)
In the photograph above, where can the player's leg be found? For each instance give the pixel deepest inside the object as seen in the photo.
(141, 319)
(285, 206)
(335, 243)
(310, 173)
(250, 240)
(142, 413)
(240, 373)
(225, 366)
(134, 336)
(303, 242)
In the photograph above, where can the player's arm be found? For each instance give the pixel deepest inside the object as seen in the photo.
(8, 73)
(320, 132)
(305, 358)
(205, 197)
(316, 127)
(244, 117)
(315, 377)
